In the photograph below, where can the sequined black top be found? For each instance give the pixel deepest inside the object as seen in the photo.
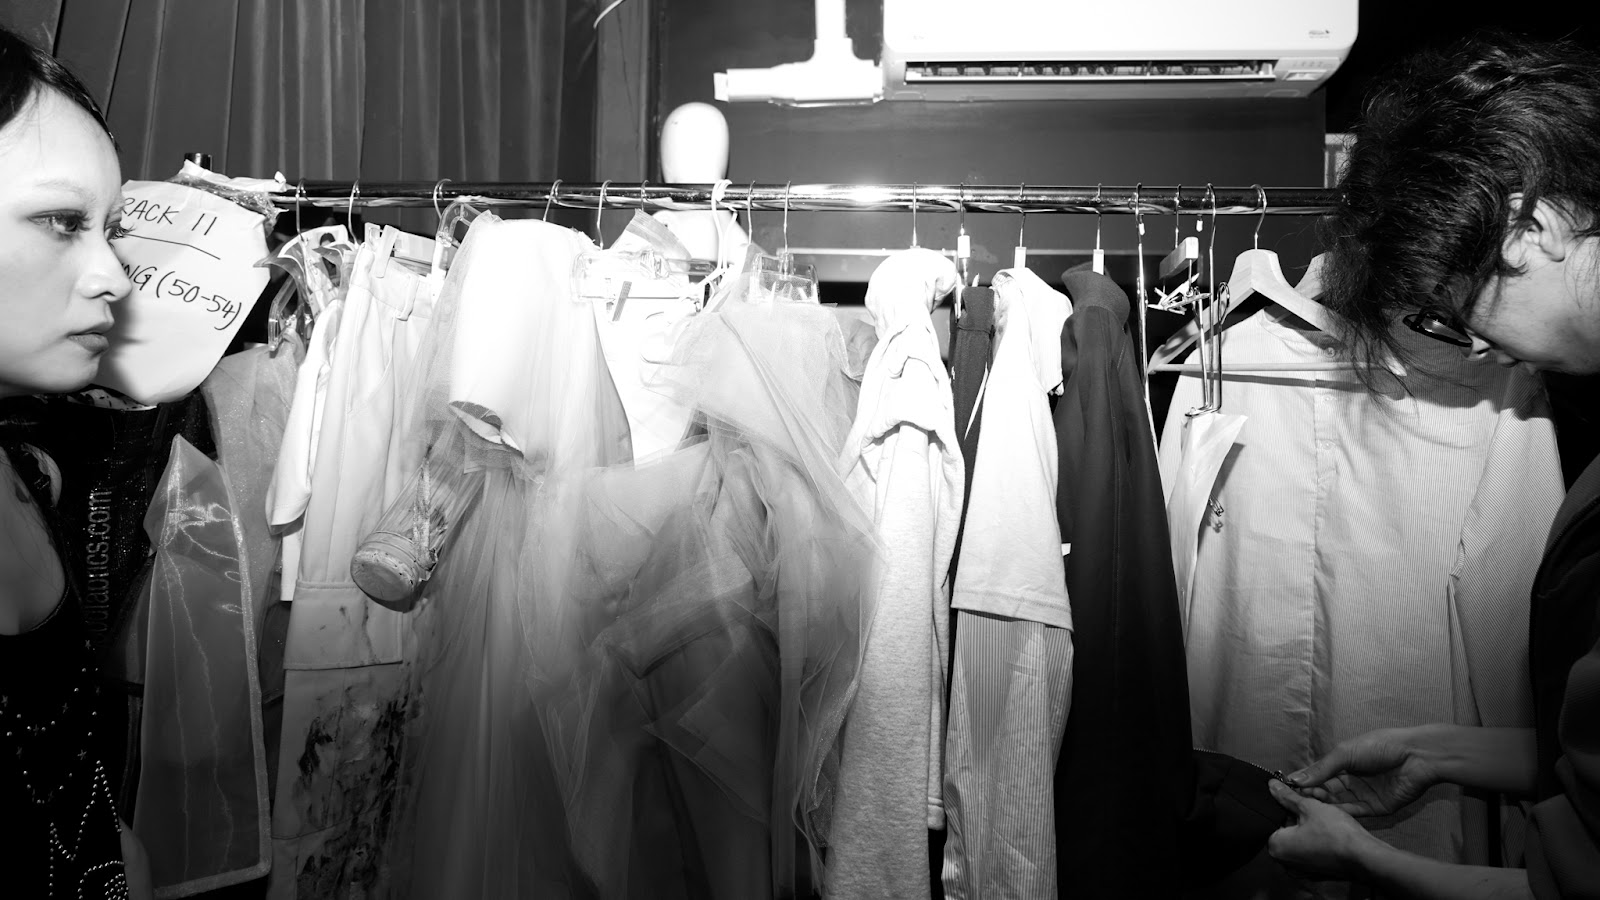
(59, 834)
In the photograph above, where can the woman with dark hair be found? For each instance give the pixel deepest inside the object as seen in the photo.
(1470, 212)
(60, 206)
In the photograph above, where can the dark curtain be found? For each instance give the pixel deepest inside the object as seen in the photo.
(490, 90)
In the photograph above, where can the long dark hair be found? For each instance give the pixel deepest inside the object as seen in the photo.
(25, 70)
(1443, 142)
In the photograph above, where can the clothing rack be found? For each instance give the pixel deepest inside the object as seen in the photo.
(932, 198)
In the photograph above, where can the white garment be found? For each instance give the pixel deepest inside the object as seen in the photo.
(1011, 553)
(342, 465)
(903, 463)
(1366, 562)
(636, 314)
(1012, 685)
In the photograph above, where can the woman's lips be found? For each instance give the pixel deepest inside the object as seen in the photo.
(91, 341)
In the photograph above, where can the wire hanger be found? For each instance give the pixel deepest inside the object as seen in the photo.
(914, 215)
(1019, 258)
(350, 210)
(599, 209)
(963, 240)
(786, 258)
(554, 190)
(1208, 316)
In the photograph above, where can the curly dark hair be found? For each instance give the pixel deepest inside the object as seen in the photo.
(1444, 141)
(25, 70)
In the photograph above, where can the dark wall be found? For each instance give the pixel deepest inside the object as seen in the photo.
(1270, 142)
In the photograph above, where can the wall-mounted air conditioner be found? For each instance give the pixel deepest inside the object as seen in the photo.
(1111, 49)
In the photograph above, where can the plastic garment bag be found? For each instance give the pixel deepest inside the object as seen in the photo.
(202, 809)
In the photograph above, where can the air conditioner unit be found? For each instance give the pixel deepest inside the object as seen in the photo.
(1112, 49)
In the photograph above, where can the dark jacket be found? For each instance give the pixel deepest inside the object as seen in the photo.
(1563, 849)
(1138, 812)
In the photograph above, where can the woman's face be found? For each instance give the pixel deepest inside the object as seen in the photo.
(60, 203)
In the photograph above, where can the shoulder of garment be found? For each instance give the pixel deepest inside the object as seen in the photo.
(1032, 313)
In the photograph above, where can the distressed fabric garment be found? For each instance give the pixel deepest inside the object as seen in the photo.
(344, 656)
(1366, 563)
(903, 462)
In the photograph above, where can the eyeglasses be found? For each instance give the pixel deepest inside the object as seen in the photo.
(1435, 326)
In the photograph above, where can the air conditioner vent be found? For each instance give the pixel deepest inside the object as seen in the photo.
(1067, 71)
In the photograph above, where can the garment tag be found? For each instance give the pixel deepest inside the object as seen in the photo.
(1019, 260)
(1066, 550)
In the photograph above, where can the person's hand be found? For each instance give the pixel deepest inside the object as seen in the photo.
(1322, 842)
(1371, 775)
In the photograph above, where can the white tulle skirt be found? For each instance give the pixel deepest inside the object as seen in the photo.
(631, 678)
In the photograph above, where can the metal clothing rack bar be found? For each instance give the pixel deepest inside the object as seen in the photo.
(931, 198)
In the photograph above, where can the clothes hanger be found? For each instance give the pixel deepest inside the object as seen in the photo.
(554, 190)
(1259, 271)
(1206, 315)
(914, 215)
(1255, 271)
(1310, 284)
(1019, 257)
(1181, 261)
(1099, 258)
(963, 243)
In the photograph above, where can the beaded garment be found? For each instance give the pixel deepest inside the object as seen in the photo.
(59, 831)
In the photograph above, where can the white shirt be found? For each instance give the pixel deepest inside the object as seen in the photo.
(1366, 563)
(1011, 554)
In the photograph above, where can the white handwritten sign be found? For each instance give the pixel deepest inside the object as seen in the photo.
(192, 259)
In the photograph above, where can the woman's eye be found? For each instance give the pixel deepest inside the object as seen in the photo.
(65, 224)
(117, 232)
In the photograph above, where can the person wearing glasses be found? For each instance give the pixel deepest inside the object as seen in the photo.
(1470, 211)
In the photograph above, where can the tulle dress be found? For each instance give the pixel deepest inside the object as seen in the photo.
(632, 678)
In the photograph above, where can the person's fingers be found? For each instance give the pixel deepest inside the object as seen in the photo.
(1321, 770)
(1287, 797)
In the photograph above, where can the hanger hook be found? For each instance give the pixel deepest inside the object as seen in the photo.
(1177, 214)
(436, 211)
(554, 190)
(350, 210)
(1098, 218)
(961, 208)
(599, 210)
(788, 186)
(299, 196)
(1262, 194)
(750, 209)
(913, 214)
(642, 198)
(1022, 208)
